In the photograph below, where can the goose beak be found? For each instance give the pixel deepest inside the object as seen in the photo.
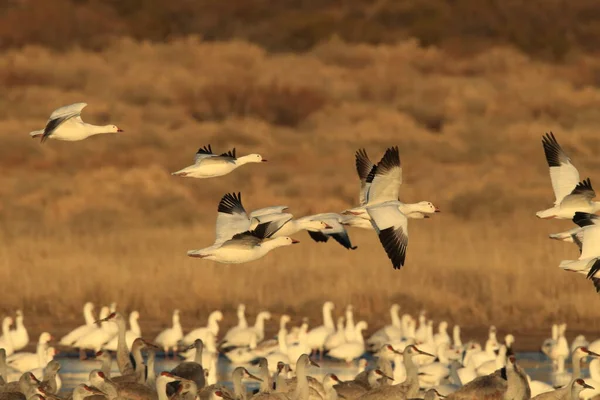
(591, 353)
(327, 226)
(424, 353)
(120, 130)
(437, 210)
(253, 377)
(263, 160)
(294, 241)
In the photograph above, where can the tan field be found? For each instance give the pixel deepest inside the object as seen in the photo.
(104, 220)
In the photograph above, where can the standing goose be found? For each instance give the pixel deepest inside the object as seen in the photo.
(508, 383)
(388, 333)
(355, 388)
(25, 361)
(352, 349)
(65, 123)
(70, 338)
(318, 335)
(409, 388)
(302, 390)
(19, 336)
(242, 337)
(338, 337)
(571, 195)
(570, 392)
(131, 334)
(191, 370)
(239, 392)
(169, 337)
(5, 340)
(123, 353)
(211, 328)
(208, 164)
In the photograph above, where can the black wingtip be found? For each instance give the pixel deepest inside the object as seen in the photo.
(205, 150)
(552, 149)
(596, 282)
(394, 242)
(363, 164)
(317, 236)
(582, 219)
(391, 159)
(595, 268)
(583, 187)
(231, 203)
(230, 153)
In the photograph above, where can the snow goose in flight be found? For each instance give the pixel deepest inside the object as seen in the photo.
(246, 246)
(383, 207)
(588, 241)
(65, 124)
(208, 164)
(337, 231)
(367, 171)
(571, 194)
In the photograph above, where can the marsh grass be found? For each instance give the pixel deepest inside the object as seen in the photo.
(103, 219)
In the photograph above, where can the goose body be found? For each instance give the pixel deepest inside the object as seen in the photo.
(208, 164)
(65, 123)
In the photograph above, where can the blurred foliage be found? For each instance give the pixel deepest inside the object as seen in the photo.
(550, 29)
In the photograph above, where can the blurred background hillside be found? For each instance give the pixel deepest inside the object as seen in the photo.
(465, 88)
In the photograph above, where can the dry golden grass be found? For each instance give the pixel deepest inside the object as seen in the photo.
(104, 220)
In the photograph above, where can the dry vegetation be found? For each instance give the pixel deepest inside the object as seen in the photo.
(104, 220)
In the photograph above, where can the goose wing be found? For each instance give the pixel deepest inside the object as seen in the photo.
(392, 228)
(563, 174)
(581, 195)
(231, 217)
(363, 167)
(59, 116)
(385, 179)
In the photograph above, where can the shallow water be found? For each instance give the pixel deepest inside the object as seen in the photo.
(75, 371)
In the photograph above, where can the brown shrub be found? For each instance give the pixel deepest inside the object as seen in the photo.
(274, 103)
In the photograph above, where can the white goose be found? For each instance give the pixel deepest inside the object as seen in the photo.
(366, 171)
(211, 329)
(168, 338)
(26, 361)
(65, 124)
(295, 350)
(338, 337)
(388, 333)
(70, 338)
(131, 334)
(350, 330)
(382, 205)
(6, 340)
(96, 337)
(281, 354)
(351, 350)
(19, 336)
(318, 335)
(243, 337)
(588, 240)
(234, 243)
(208, 164)
(571, 195)
(336, 229)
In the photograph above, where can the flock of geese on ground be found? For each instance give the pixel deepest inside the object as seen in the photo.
(410, 361)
